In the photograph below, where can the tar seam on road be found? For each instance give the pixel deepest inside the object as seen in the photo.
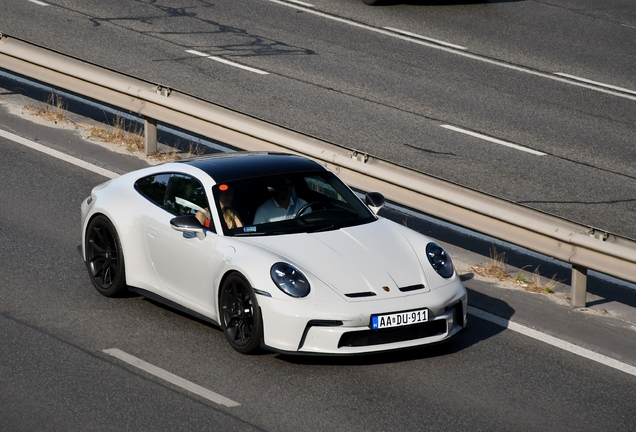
(171, 378)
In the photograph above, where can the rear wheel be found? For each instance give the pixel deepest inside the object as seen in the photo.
(104, 257)
(240, 315)
(371, 2)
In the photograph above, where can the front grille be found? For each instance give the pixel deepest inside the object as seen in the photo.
(361, 294)
(411, 288)
(459, 313)
(391, 335)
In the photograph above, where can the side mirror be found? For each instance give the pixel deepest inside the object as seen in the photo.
(375, 201)
(188, 224)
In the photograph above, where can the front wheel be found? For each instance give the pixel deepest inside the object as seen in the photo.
(104, 257)
(240, 315)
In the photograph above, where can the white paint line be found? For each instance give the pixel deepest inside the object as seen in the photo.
(59, 155)
(426, 38)
(171, 378)
(600, 84)
(39, 3)
(550, 340)
(301, 3)
(227, 62)
(494, 140)
(199, 53)
(456, 51)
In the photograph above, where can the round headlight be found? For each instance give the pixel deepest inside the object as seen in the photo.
(289, 279)
(440, 260)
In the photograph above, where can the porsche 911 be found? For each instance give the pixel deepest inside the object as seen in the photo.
(276, 251)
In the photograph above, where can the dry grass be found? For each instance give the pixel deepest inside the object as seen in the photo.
(193, 150)
(118, 133)
(133, 140)
(498, 270)
(52, 110)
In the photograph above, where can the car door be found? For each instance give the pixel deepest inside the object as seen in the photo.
(184, 264)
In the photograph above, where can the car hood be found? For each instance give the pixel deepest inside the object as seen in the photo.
(356, 260)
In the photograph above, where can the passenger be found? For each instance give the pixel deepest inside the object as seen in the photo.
(284, 204)
(230, 216)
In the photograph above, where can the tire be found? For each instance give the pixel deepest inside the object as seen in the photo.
(105, 258)
(240, 315)
(371, 2)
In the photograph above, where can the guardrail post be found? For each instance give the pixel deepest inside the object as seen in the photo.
(150, 135)
(579, 286)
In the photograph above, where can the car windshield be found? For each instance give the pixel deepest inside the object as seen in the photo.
(291, 203)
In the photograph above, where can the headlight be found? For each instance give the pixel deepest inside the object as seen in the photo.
(440, 260)
(289, 279)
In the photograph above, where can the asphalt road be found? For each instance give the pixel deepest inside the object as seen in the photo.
(337, 73)
(55, 374)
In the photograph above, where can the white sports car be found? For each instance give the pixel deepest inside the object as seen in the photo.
(275, 250)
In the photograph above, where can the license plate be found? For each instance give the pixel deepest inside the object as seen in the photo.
(399, 319)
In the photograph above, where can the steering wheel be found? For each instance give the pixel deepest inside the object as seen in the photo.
(304, 208)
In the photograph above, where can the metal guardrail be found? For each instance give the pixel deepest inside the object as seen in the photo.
(582, 246)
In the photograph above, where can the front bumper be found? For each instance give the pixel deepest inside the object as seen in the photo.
(347, 330)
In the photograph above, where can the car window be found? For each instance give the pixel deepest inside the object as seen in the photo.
(318, 184)
(154, 187)
(291, 203)
(179, 194)
(185, 195)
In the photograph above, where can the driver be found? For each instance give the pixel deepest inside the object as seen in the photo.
(284, 204)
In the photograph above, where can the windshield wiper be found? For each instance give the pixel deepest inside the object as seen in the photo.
(324, 228)
(248, 234)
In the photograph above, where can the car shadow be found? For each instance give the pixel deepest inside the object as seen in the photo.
(477, 331)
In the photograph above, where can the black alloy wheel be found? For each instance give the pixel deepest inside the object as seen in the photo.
(104, 257)
(240, 315)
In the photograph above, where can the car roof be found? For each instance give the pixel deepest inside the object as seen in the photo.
(224, 167)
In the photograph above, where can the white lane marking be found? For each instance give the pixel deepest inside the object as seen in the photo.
(222, 60)
(494, 140)
(73, 160)
(171, 378)
(551, 340)
(426, 38)
(600, 84)
(457, 52)
(301, 3)
(39, 3)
